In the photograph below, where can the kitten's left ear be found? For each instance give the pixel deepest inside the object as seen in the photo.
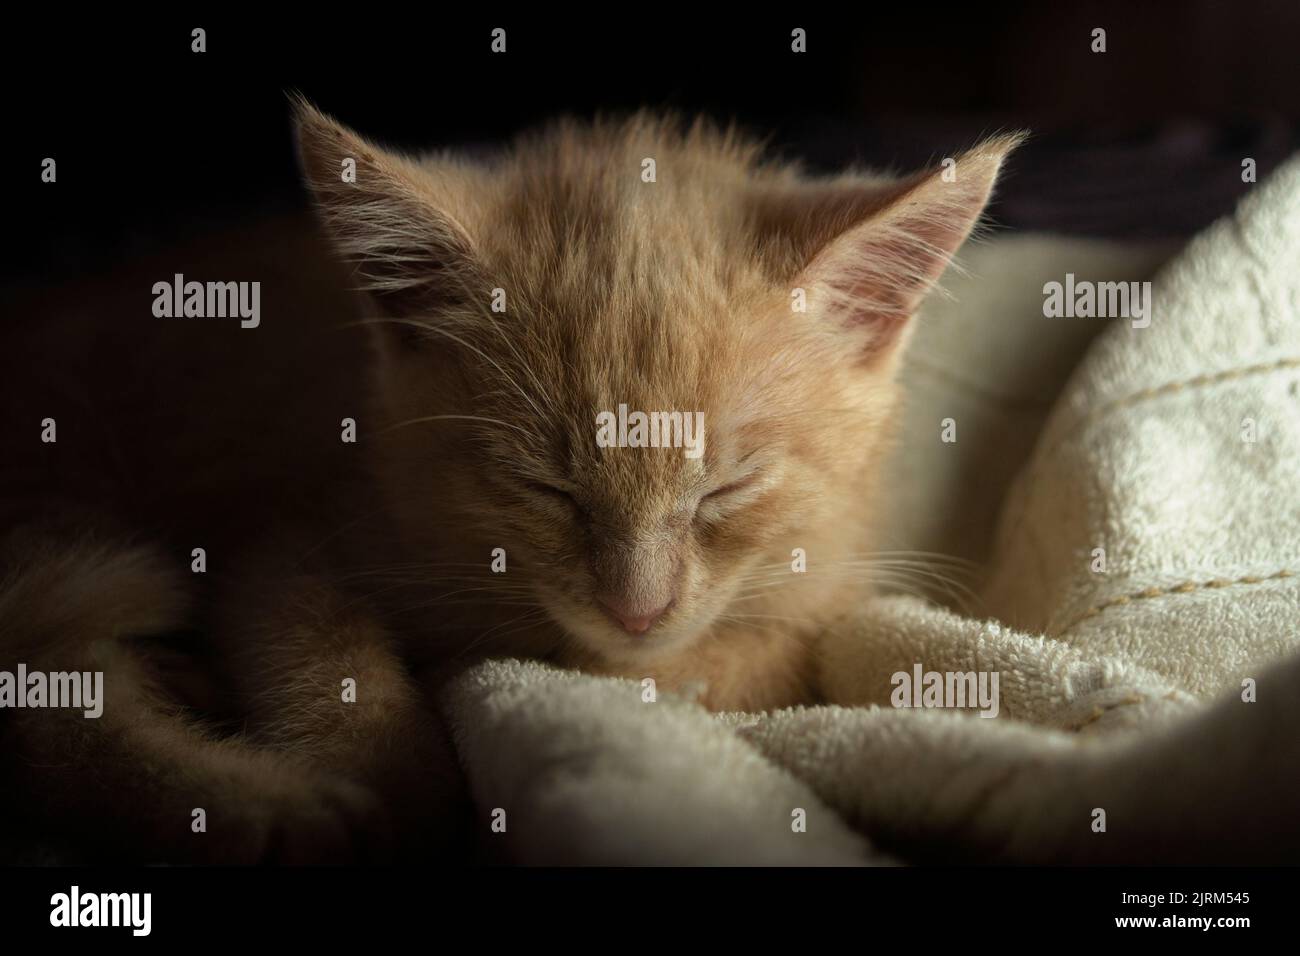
(872, 276)
(410, 252)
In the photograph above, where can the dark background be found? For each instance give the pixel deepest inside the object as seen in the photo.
(155, 143)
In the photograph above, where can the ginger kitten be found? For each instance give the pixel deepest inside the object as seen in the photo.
(508, 305)
(770, 306)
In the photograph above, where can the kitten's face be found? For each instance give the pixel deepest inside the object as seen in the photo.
(763, 311)
(637, 551)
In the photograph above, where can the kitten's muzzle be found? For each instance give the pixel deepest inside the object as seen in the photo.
(632, 618)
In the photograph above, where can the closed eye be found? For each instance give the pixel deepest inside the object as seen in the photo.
(554, 493)
(731, 488)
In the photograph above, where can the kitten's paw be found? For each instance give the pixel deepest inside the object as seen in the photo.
(315, 819)
(334, 821)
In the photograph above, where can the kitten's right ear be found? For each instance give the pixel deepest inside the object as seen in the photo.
(410, 254)
(868, 250)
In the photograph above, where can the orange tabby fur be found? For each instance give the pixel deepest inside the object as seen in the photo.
(476, 432)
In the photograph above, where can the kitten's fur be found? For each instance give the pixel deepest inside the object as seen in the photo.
(477, 431)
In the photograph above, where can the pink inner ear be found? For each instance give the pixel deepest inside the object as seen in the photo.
(874, 276)
(885, 278)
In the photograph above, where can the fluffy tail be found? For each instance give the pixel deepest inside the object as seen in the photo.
(143, 781)
(61, 600)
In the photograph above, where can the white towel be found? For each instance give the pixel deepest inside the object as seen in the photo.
(1175, 449)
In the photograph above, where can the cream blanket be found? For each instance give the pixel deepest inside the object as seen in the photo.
(1137, 536)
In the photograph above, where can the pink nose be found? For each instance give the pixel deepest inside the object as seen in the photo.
(632, 619)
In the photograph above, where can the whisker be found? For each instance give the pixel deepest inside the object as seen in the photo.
(438, 418)
(428, 327)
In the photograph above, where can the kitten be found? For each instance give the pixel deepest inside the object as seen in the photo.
(509, 304)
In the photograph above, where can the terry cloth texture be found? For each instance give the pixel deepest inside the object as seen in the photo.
(1137, 536)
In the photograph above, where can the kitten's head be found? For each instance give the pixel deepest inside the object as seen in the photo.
(526, 308)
